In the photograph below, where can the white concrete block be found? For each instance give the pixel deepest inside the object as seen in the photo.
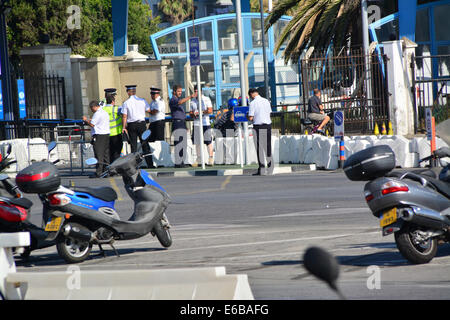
(161, 154)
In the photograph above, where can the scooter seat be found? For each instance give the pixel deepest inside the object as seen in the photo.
(104, 193)
(21, 202)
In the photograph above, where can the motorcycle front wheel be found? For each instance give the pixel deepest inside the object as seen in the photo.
(163, 234)
(412, 247)
(73, 250)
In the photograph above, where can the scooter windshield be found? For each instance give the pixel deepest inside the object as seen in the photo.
(148, 180)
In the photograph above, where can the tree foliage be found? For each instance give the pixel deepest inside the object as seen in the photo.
(315, 23)
(30, 21)
(176, 11)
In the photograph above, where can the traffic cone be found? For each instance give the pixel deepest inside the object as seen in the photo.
(383, 129)
(391, 131)
(376, 131)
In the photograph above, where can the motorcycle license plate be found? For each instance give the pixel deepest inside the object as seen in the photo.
(389, 217)
(53, 224)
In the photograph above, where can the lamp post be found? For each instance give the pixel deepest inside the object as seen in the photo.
(5, 70)
(242, 80)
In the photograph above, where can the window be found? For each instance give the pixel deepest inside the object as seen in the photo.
(227, 30)
(174, 42)
(442, 22)
(204, 32)
(388, 31)
(175, 75)
(422, 26)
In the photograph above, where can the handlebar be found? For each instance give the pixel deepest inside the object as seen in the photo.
(437, 154)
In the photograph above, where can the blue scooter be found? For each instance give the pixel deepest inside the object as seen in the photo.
(77, 219)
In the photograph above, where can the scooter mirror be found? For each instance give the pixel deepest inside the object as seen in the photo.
(91, 161)
(323, 265)
(146, 135)
(51, 146)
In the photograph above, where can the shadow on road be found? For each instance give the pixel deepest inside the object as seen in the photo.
(53, 259)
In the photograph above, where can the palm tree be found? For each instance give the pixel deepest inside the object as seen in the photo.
(176, 10)
(315, 23)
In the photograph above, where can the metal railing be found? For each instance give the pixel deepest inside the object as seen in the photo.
(431, 85)
(353, 82)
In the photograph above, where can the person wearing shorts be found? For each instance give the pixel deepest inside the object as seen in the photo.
(316, 112)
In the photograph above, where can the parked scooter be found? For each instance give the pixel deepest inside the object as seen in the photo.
(414, 205)
(14, 210)
(80, 218)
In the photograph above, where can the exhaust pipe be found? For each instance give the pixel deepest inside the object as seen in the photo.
(425, 217)
(76, 233)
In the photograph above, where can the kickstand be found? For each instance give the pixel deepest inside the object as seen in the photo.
(115, 250)
(102, 252)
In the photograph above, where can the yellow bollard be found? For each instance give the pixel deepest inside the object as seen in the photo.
(383, 129)
(391, 131)
(376, 131)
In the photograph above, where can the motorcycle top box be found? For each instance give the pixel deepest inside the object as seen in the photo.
(369, 164)
(40, 177)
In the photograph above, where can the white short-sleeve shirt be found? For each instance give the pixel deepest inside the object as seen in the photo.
(260, 109)
(206, 103)
(100, 120)
(135, 108)
(158, 104)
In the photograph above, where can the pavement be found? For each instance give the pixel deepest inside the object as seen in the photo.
(261, 226)
(217, 170)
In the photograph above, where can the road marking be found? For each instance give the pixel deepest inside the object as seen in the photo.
(116, 189)
(224, 184)
(322, 212)
(222, 187)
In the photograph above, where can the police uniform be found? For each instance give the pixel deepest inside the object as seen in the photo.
(260, 109)
(115, 126)
(157, 121)
(135, 109)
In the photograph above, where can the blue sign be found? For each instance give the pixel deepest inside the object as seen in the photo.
(22, 101)
(338, 118)
(338, 124)
(240, 114)
(194, 51)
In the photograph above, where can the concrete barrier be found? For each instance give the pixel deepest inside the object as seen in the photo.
(76, 284)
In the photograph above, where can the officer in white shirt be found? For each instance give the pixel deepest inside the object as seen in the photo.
(157, 115)
(133, 121)
(100, 135)
(207, 109)
(259, 112)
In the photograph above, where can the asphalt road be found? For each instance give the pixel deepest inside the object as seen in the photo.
(261, 226)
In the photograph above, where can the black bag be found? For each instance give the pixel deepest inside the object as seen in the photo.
(125, 137)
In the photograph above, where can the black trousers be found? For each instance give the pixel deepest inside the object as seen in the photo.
(179, 131)
(115, 147)
(157, 129)
(263, 143)
(135, 130)
(101, 151)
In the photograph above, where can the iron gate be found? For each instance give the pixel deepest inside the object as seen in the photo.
(431, 85)
(353, 82)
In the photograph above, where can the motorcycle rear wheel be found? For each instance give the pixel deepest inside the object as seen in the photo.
(163, 234)
(417, 253)
(73, 250)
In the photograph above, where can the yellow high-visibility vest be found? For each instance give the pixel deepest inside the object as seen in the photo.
(115, 119)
